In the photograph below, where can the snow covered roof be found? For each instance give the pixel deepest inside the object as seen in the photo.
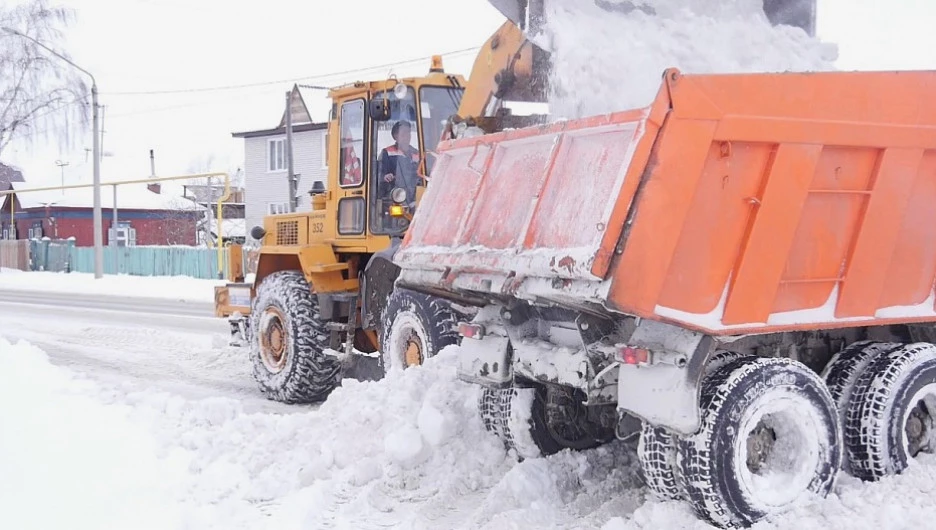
(129, 197)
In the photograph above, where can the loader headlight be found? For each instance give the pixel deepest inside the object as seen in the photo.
(396, 211)
(398, 195)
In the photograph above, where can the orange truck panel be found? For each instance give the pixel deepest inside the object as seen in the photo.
(733, 204)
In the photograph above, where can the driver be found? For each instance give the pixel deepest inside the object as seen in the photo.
(398, 164)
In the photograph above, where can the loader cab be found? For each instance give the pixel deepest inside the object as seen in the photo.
(364, 117)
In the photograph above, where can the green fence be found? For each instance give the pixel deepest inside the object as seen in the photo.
(64, 256)
(153, 261)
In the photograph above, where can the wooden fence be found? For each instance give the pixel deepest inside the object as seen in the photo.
(14, 254)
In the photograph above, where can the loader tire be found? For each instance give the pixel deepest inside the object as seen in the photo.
(288, 342)
(892, 414)
(415, 327)
(769, 439)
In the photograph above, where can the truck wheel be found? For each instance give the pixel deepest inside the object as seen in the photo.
(843, 370)
(769, 438)
(529, 424)
(657, 448)
(892, 414)
(656, 453)
(415, 327)
(288, 342)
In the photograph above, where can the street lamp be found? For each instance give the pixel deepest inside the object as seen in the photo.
(97, 217)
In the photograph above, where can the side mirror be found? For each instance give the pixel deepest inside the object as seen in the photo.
(379, 109)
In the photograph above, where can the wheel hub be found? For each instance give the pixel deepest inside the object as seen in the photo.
(760, 443)
(413, 354)
(921, 427)
(273, 339)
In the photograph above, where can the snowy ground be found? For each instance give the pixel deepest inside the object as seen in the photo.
(164, 287)
(135, 420)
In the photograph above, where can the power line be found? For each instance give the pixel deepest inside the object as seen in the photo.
(281, 81)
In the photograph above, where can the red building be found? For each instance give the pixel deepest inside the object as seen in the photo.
(144, 217)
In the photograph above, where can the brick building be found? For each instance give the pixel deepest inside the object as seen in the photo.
(144, 217)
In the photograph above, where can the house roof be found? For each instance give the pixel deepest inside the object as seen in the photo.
(280, 130)
(310, 109)
(129, 197)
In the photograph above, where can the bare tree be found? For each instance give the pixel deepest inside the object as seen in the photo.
(40, 94)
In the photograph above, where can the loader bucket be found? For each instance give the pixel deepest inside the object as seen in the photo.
(531, 15)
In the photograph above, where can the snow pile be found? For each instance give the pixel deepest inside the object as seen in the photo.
(612, 61)
(183, 288)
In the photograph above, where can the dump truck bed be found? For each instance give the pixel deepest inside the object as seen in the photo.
(732, 204)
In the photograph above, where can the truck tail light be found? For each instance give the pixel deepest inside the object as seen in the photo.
(471, 331)
(631, 355)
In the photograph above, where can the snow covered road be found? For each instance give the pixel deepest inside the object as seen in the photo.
(168, 345)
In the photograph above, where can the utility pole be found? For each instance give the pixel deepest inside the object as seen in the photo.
(98, 236)
(289, 154)
(61, 166)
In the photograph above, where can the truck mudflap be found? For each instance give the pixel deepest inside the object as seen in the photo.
(665, 393)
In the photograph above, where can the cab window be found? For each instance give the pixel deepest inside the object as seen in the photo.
(437, 105)
(352, 143)
(395, 161)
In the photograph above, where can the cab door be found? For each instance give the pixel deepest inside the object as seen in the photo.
(353, 154)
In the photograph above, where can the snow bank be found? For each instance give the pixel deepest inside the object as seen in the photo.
(633, 50)
(66, 461)
(182, 288)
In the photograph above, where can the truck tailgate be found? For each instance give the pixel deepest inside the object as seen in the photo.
(536, 202)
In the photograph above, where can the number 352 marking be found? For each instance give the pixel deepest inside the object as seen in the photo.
(318, 227)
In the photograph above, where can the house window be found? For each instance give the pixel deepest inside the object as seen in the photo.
(125, 235)
(276, 155)
(274, 208)
(35, 231)
(9, 231)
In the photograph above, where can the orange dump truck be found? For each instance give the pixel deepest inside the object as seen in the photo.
(740, 275)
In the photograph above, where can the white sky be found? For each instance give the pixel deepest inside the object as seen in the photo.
(152, 45)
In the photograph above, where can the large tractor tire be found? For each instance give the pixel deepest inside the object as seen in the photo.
(891, 417)
(415, 327)
(769, 439)
(288, 342)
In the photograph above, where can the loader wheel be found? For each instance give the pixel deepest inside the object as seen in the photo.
(769, 439)
(892, 414)
(288, 342)
(415, 327)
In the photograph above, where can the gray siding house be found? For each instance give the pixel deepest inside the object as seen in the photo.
(265, 174)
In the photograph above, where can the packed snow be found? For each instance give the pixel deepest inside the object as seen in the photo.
(696, 36)
(183, 288)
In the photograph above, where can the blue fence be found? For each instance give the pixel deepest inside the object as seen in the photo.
(64, 256)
